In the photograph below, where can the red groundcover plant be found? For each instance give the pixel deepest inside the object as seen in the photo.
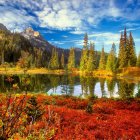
(67, 118)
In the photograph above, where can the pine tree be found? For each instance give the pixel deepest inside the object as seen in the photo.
(62, 61)
(33, 109)
(39, 54)
(54, 63)
(138, 60)
(125, 38)
(56, 60)
(91, 64)
(4, 44)
(51, 63)
(102, 60)
(71, 60)
(131, 51)
(111, 60)
(85, 46)
(127, 48)
(127, 55)
(122, 53)
(84, 54)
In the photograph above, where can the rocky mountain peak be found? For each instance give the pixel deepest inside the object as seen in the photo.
(29, 31)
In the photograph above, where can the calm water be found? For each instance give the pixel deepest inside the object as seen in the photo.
(72, 85)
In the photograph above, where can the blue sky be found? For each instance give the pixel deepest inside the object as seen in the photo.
(64, 22)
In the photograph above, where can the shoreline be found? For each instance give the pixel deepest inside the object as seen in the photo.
(97, 73)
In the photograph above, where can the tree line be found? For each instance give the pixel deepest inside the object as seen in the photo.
(18, 50)
(126, 56)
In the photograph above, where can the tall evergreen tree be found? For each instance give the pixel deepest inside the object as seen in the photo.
(54, 63)
(4, 43)
(84, 54)
(126, 46)
(102, 60)
(71, 60)
(138, 60)
(131, 52)
(91, 64)
(13, 46)
(38, 55)
(85, 46)
(122, 53)
(111, 60)
(127, 55)
(125, 38)
(62, 61)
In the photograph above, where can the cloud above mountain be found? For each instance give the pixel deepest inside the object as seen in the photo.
(63, 14)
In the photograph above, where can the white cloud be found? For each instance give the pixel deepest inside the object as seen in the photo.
(78, 43)
(57, 42)
(113, 10)
(78, 32)
(28, 4)
(131, 24)
(105, 39)
(114, 37)
(15, 19)
(61, 19)
(65, 14)
(131, 29)
(47, 32)
(100, 39)
(75, 13)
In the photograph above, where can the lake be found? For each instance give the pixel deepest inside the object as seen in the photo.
(71, 85)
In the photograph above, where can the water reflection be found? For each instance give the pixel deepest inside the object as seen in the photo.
(88, 85)
(73, 85)
(102, 86)
(125, 89)
(111, 86)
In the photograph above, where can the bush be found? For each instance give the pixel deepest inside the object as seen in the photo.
(89, 108)
(33, 109)
(92, 97)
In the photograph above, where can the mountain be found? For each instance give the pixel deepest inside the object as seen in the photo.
(30, 40)
(37, 49)
(2, 27)
(37, 40)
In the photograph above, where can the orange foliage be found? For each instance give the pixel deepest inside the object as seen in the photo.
(66, 118)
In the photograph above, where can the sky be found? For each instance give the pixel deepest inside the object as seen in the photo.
(64, 22)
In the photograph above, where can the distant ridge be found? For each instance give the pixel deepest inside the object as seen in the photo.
(2, 27)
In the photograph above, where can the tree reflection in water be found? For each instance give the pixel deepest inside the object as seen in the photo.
(74, 85)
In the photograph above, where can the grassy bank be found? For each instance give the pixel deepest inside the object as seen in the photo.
(63, 117)
(16, 70)
(130, 73)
